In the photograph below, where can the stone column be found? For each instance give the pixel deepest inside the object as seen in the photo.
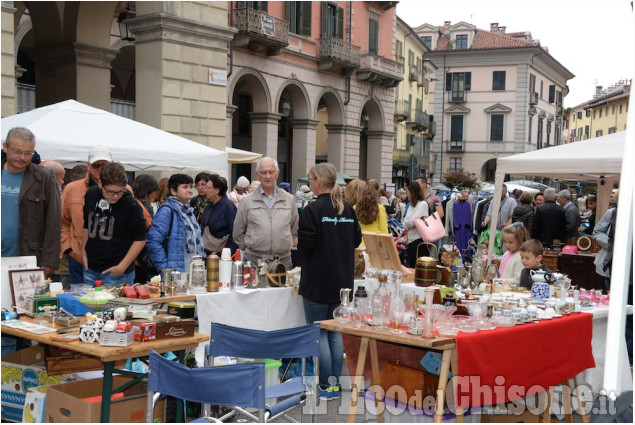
(175, 58)
(336, 144)
(229, 117)
(351, 150)
(379, 162)
(9, 101)
(303, 148)
(73, 71)
(264, 134)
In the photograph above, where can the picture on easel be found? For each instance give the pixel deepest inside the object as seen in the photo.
(24, 283)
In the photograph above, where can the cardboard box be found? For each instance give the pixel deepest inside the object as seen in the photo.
(383, 254)
(34, 405)
(65, 402)
(20, 371)
(175, 330)
(116, 339)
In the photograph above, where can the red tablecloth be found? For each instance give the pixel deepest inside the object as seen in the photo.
(507, 364)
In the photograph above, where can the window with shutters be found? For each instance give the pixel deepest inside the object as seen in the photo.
(399, 52)
(594, 113)
(552, 93)
(580, 115)
(427, 40)
(332, 21)
(620, 109)
(456, 132)
(394, 138)
(455, 164)
(600, 113)
(461, 41)
(458, 83)
(496, 128)
(498, 80)
(532, 83)
(539, 134)
(606, 111)
(298, 14)
(588, 113)
(542, 84)
(256, 5)
(586, 131)
(531, 123)
(373, 36)
(598, 133)
(613, 111)
(579, 133)
(409, 110)
(548, 133)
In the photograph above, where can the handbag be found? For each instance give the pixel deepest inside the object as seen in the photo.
(430, 228)
(212, 243)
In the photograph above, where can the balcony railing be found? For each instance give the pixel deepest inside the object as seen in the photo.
(400, 156)
(402, 110)
(338, 54)
(258, 30)
(380, 70)
(455, 146)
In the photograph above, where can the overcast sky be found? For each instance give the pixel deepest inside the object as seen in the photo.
(592, 39)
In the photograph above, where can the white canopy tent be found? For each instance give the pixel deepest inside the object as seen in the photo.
(600, 160)
(66, 131)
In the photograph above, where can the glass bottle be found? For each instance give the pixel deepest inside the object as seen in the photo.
(381, 304)
(344, 313)
(397, 306)
(360, 302)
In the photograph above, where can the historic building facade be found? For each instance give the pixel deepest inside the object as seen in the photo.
(313, 81)
(605, 113)
(496, 94)
(414, 125)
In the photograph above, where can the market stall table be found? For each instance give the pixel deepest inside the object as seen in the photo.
(550, 352)
(108, 355)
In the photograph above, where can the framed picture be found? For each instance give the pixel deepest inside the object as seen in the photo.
(24, 283)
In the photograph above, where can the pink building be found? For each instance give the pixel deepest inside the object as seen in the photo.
(313, 81)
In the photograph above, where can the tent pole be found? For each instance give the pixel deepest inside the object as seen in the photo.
(496, 201)
(621, 269)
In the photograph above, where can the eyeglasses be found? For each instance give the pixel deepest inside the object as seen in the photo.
(97, 165)
(209, 187)
(114, 192)
(21, 153)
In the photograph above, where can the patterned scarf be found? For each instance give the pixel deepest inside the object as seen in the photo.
(148, 206)
(193, 240)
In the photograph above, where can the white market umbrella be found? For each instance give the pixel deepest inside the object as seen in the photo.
(66, 131)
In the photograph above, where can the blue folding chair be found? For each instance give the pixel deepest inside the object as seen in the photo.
(207, 385)
(301, 342)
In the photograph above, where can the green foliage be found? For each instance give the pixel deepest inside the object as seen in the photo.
(461, 179)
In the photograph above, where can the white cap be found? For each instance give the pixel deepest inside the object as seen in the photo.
(226, 254)
(99, 153)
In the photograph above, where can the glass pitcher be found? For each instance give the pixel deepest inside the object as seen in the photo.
(345, 312)
(381, 305)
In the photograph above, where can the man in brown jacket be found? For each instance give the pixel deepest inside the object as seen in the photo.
(30, 204)
(73, 211)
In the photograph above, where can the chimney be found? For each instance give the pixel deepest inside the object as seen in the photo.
(493, 27)
(502, 29)
(446, 27)
(598, 91)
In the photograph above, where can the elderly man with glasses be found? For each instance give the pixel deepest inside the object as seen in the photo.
(30, 204)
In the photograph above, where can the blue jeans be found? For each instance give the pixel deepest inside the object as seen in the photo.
(108, 279)
(75, 270)
(331, 344)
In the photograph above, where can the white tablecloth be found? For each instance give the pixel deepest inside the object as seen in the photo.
(263, 309)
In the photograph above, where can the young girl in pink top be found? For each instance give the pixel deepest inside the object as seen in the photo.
(513, 237)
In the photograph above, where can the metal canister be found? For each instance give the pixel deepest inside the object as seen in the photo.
(166, 281)
(238, 275)
(212, 273)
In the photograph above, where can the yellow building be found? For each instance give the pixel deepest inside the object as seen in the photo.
(605, 114)
(414, 127)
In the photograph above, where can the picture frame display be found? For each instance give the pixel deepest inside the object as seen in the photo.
(24, 283)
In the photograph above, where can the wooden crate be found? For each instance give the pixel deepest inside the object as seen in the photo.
(383, 254)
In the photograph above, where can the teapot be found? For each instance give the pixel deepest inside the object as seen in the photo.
(344, 313)
(541, 276)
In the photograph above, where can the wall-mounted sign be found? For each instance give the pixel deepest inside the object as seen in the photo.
(217, 77)
(267, 25)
